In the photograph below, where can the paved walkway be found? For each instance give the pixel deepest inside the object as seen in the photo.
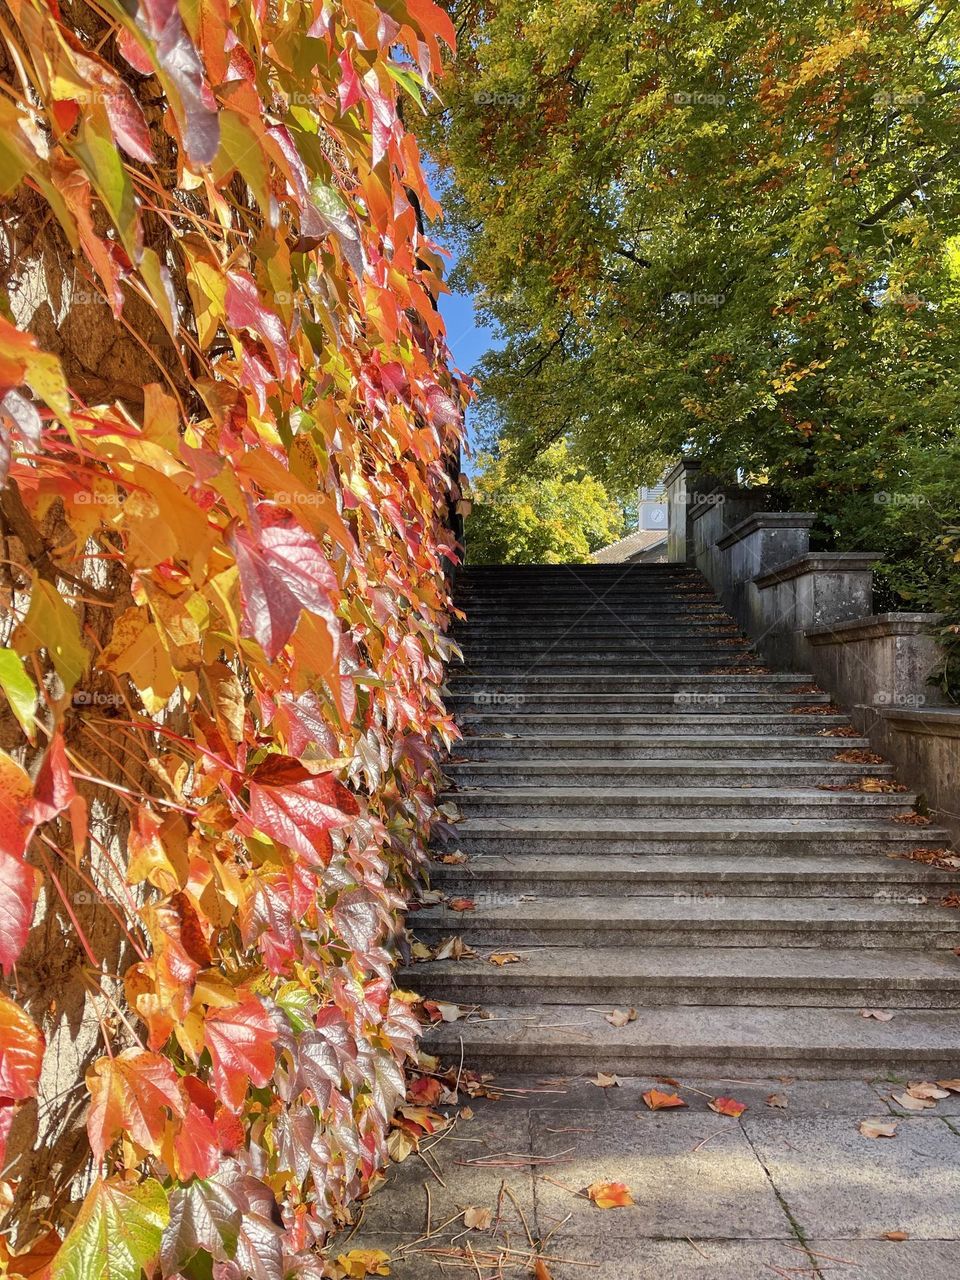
(792, 1191)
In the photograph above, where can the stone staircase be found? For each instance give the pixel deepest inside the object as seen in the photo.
(647, 824)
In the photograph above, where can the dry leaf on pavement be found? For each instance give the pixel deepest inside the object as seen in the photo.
(727, 1107)
(925, 1089)
(881, 1015)
(461, 904)
(610, 1195)
(657, 1100)
(541, 1271)
(620, 1017)
(605, 1082)
(777, 1100)
(952, 1085)
(477, 1219)
(910, 1103)
(896, 1235)
(504, 957)
(878, 1128)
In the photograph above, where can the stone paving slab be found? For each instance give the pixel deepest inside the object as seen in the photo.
(690, 1174)
(841, 1185)
(885, 1260)
(470, 1163)
(716, 1198)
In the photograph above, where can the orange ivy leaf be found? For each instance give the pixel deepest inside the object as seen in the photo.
(129, 1096)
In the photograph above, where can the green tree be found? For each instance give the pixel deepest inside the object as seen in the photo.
(722, 226)
(551, 512)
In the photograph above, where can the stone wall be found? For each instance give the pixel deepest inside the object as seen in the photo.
(812, 612)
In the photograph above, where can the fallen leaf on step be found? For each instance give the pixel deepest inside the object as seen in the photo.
(777, 1100)
(878, 1128)
(453, 949)
(400, 1145)
(453, 859)
(896, 1235)
(951, 900)
(359, 1263)
(461, 904)
(881, 1015)
(727, 1107)
(657, 1100)
(420, 951)
(620, 1017)
(605, 1082)
(610, 1195)
(910, 1103)
(429, 897)
(541, 1271)
(927, 1089)
(425, 1089)
(952, 1085)
(441, 1011)
(477, 1219)
(504, 957)
(466, 1113)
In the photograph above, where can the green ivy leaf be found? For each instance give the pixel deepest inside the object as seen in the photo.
(19, 689)
(116, 1233)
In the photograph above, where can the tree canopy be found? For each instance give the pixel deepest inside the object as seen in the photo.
(552, 512)
(727, 227)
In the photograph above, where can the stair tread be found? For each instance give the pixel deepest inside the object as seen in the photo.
(708, 965)
(579, 827)
(711, 1028)
(678, 866)
(555, 912)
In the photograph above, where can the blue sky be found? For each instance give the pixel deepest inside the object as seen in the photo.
(467, 337)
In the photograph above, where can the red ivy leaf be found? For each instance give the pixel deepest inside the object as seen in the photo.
(240, 1041)
(19, 883)
(297, 808)
(282, 570)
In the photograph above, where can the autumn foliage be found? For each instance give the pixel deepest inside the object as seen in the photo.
(225, 602)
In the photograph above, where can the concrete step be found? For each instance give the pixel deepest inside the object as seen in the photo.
(459, 681)
(510, 720)
(669, 801)
(697, 1040)
(733, 835)
(611, 628)
(707, 663)
(688, 702)
(695, 875)
(671, 921)
(515, 772)
(613, 649)
(685, 742)
(648, 977)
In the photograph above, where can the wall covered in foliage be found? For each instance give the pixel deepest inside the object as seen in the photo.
(226, 432)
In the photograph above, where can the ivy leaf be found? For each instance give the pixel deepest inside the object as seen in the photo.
(116, 1233)
(181, 71)
(16, 798)
(19, 690)
(52, 625)
(240, 1042)
(205, 1215)
(21, 1052)
(282, 570)
(297, 808)
(129, 1095)
(19, 886)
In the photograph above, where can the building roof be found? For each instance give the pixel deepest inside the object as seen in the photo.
(630, 547)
